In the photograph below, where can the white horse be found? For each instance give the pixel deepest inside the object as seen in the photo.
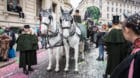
(71, 37)
(50, 28)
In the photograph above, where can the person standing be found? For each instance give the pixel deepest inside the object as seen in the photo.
(77, 17)
(130, 66)
(27, 44)
(11, 34)
(4, 46)
(1, 30)
(115, 44)
(100, 42)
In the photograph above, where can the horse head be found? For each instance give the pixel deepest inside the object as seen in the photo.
(66, 22)
(47, 21)
(46, 16)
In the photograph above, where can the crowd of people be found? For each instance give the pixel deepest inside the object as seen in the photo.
(7, 41)
(120, 41)
(115, 39)
(27, 44)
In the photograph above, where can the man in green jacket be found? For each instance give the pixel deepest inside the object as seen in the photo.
(27, 44)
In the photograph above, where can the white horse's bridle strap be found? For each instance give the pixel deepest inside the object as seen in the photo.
(66, 27)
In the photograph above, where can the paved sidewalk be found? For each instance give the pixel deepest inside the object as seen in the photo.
(13, 71)
(90, 68)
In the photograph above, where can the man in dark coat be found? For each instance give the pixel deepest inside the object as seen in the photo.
(77, 17)
(27, 44)
(115, 44)
(130, 66)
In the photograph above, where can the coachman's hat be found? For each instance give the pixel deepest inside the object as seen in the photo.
(26, 26)
(77, 11)
(115, 19)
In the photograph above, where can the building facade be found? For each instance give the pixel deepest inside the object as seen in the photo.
(109, 8)
(28, 12)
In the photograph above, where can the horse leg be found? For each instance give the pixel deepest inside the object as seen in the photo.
(50, 59)
(76, 54)
(57, 58)
(67, 48)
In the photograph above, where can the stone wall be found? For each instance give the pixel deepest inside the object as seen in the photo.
(30, 10)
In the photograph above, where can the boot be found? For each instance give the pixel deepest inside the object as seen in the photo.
(25, 71)
(30, 68)
(98, 59)
(1, 58)
(102, 59)
(104, 75)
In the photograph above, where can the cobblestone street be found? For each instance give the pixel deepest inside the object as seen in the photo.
(38, 38)
(90, 68)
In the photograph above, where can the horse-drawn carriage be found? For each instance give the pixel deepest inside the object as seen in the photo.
(66, 34)
(91, 17)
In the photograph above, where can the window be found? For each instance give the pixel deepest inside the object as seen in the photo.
(116, 4)
(13, 5)
(107, 8)
(112, 9)
(108, 16)
(120, 10)
(127, 11)
(112, 3)
(116, 9)
(124, 11)
(108, 2)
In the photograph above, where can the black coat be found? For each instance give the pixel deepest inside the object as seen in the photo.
(77, 18)
(117, 49)
(27, 45)
(27, 58)
(26, 42)
(121, 71)
(100, 36)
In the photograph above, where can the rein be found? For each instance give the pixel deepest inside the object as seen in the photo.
(71, 33)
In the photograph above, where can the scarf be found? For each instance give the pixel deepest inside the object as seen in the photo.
(136, 46)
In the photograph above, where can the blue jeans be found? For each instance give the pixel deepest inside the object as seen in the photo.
(101, 51)
(43, 42)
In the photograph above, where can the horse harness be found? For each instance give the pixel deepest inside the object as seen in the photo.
(52, 35)
(71, 33)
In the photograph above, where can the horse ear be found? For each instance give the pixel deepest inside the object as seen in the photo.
(62, 11)
(125, 15)
(71, 11)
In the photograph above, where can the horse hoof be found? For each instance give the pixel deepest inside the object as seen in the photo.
(76, 70)
(56, 70)
(48, 69)
(66, 70)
